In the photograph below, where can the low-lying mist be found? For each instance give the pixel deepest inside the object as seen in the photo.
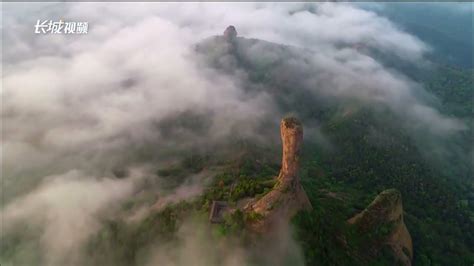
(147, 85)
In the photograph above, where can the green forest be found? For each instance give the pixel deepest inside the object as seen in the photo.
(439, 209)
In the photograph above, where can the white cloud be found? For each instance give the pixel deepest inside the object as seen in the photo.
(66, 208)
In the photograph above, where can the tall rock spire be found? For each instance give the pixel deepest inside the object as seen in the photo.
(288, 196)
(291, 132)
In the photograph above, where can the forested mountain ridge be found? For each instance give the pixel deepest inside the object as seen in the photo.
(365, 149)
(375, 151)
(377, 130)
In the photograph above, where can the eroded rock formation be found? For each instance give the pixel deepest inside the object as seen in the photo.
(384, 219)
(288, 196)
(230, 33)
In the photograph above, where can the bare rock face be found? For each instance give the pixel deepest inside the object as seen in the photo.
(292, 138)
(384, 216)
(288, 196)
(230, 33)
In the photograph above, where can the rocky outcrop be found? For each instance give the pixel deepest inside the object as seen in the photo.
(383, 219)
(230, 33)
(288, 196)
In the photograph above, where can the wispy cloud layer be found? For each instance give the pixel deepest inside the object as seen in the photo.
(94, 101)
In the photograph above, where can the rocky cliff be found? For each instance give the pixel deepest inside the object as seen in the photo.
(287, 196)
(383, 219)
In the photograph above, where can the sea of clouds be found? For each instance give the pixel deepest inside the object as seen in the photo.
(75, 107)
